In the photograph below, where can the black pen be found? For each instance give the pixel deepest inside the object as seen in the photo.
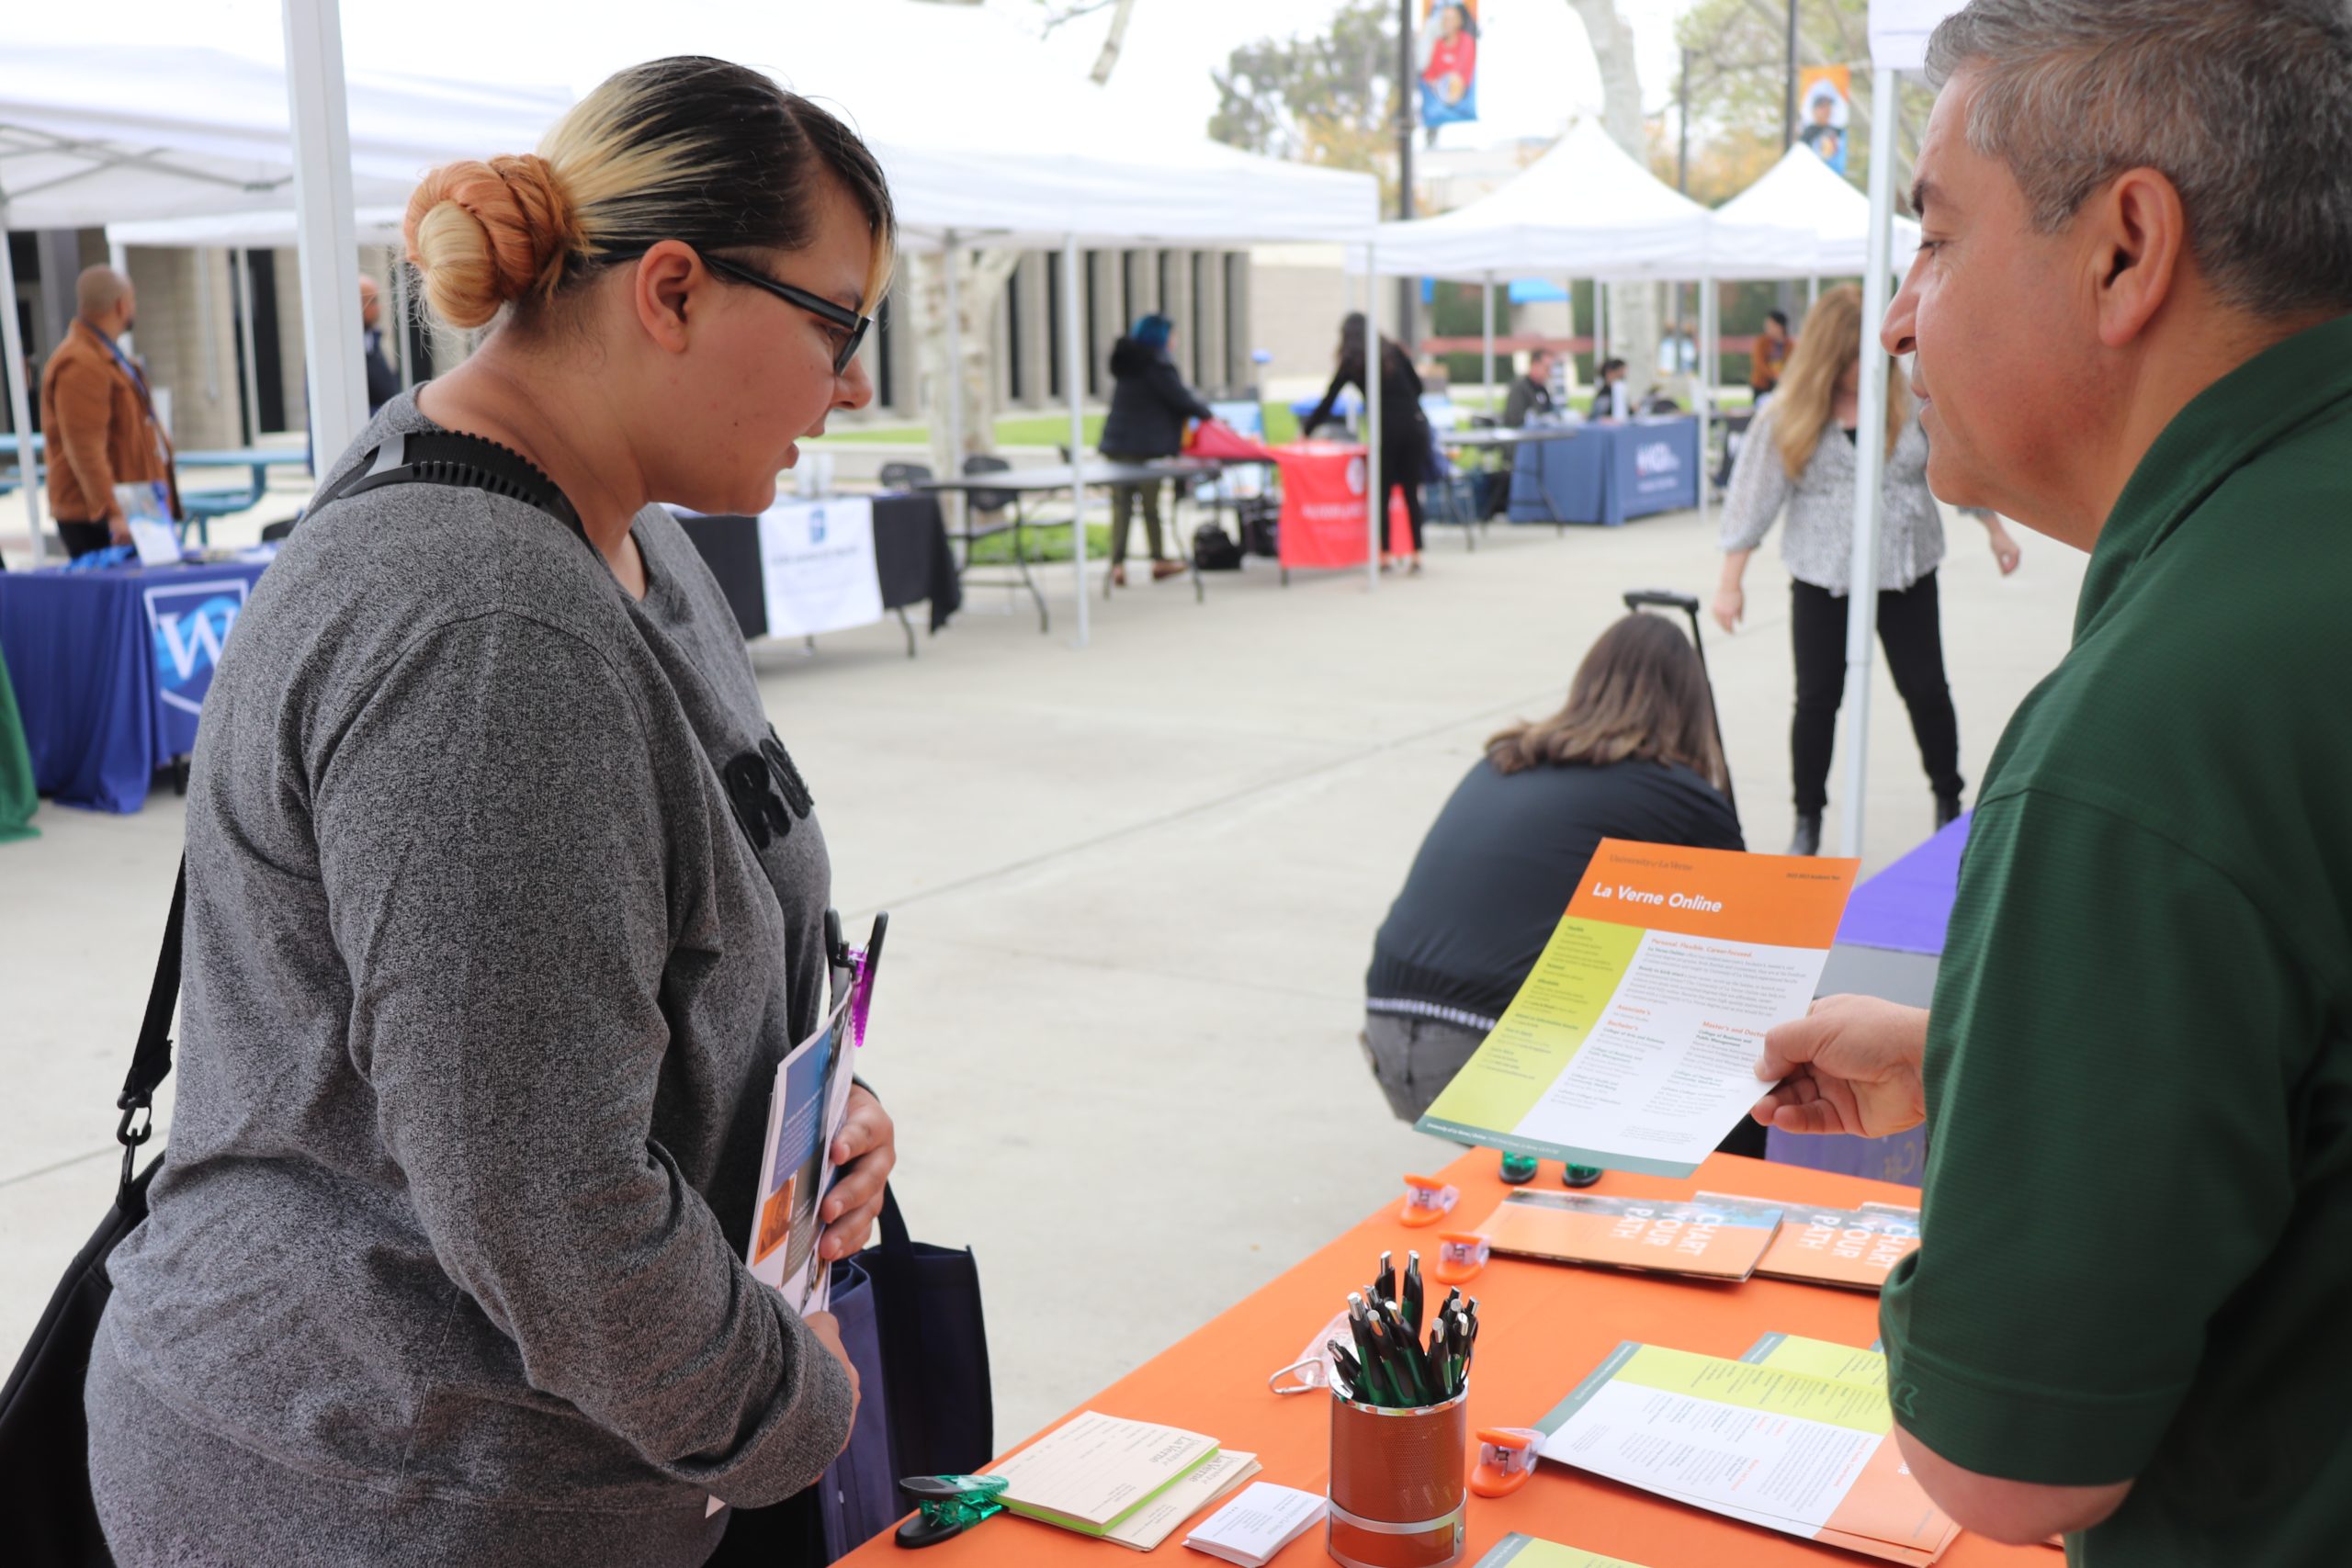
(1367, 1354)
(1412, 1296)
(1383, 1284)
(1346, 1365)
(1439, 1361)
(1406, 1350)
(873, 946)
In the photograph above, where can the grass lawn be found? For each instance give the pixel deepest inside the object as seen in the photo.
(1043, 545)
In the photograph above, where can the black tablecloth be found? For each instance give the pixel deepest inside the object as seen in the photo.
(912, 557)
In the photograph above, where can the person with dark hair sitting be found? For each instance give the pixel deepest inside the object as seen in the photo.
(1149, 404)
(1612, 399)
(1632, 755)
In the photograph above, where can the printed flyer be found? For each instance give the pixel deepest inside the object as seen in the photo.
(1517, 1550)
(1819, 1358)
(1632, 1044)
(805, 1112)
(1808, 1456)
(1718, 1238)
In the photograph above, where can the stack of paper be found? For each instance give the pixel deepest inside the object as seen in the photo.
(1808, 1455)
(1261, 1522)
(1094, 1474)
(1195, 1490)
(1718, 1238)
(1856, 1247)
(1529, 1551)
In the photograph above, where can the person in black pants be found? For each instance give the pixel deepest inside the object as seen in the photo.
(1149, 404)
(1404, 428)
(1801, 457)
(1632, 754)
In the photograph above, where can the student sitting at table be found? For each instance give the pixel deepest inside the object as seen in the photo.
(1632, 755)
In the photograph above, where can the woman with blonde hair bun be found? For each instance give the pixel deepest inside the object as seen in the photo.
(505, 900)
(1801, 454)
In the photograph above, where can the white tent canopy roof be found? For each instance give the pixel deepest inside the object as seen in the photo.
(249, 231)
(976, 131)
(95, 133)
(1803, 192)
(1584, 209)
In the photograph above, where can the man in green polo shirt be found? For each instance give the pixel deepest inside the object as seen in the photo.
(2132, 1319)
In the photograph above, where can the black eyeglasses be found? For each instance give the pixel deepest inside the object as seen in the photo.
(817, 305)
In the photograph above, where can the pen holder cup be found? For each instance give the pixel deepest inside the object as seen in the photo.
(1399, 1492)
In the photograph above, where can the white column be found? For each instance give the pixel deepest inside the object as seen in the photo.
(400, 320)
(200, 263)
(119, 258)
(1599, 327)
(1870, 452)
(247, 357)
(1074, 381)
(1812, 292)
(1490, 371)
(322, 202)
(954, 390)
(1377, 504)
(20, 410)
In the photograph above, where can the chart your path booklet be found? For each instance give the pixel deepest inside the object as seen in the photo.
(1518, 1551)
(1857, 1247)
(1717, 1239)
(1810, 1455)
(805, 1113)
(1632, 1044)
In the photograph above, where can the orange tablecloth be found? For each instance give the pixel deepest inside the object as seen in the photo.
(1543, 1327)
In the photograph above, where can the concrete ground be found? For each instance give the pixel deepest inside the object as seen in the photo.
(1133, 890)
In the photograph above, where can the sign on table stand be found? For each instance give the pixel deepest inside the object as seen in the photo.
(817, 566)
(189, 622)
(1324, 518)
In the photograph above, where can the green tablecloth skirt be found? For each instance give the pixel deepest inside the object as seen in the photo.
(19, 800)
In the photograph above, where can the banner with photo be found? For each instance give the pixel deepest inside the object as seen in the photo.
(817, 566)
(1825, 108)
(1446, 53)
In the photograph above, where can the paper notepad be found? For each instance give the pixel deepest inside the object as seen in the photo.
(1193, 1491)
(1097, 1469)
(1261, 1521)
(1718, 1238)
(1808, 1455)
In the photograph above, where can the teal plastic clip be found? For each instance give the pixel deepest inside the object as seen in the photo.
(950, 1506)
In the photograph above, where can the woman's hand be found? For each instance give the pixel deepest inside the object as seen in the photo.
(1731, 603)
(2005, 548)
(866, 1150)
(828, 1330)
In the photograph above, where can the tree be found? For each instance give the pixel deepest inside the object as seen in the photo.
(1633, 307)
(1739, 69)
(1327, 98)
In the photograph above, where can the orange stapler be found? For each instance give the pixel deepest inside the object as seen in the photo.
(1460, 1255)
(1426, 1200)
(1505, 1458)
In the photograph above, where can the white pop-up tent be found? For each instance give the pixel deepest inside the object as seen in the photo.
(1586, 209)
(1803, 193)
(94, 132)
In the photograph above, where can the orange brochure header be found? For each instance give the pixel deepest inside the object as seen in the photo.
(1779, 900)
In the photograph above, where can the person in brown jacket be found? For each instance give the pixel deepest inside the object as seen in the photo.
(100, 419)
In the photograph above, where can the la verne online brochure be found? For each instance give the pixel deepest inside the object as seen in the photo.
(1633, 1044)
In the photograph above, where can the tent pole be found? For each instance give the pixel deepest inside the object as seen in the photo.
(246, 357)
(1074, 377)
(1861, 600)
(1375, 490)
(326, 223)
(119, 258)
(954, 390)
(200, 258)
(20, 413)
(1490, 371)
(1812, 292)
(1705, 397)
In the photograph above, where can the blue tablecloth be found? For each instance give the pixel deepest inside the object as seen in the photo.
(1608, 473)
(111, 669)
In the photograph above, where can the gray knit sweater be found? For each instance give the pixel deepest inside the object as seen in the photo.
(485, 985)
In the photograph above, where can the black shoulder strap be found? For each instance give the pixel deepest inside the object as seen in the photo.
(466, 462)
(436, 458)
(151, 1064)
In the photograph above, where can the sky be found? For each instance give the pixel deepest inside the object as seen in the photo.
(1536, 68)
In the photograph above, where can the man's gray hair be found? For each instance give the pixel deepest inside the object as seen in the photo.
(2244, 105)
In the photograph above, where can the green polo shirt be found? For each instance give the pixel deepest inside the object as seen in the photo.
(2138, 1066)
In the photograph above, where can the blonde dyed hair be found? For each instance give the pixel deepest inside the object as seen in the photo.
(701, 151)
(1831, 345)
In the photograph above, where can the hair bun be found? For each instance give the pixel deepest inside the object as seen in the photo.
(482, 234)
